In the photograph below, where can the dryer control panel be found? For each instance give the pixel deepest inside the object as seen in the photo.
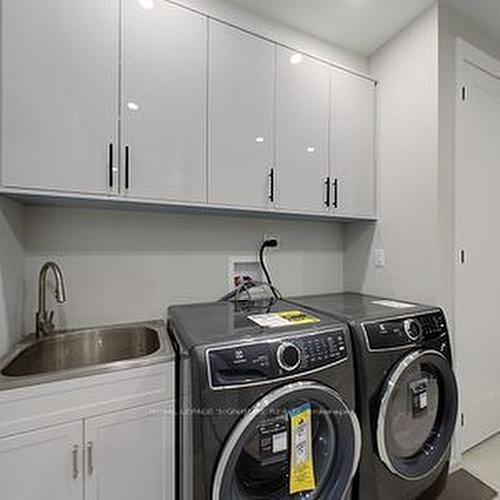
(258, 361)
(400, 332)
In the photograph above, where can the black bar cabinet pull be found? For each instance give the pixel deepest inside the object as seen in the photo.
(271, 185)
(110, 164)
(336, 193)
(127, 167)
(327, 201)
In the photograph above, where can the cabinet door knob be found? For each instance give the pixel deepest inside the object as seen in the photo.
(90, 458)
(75, 462)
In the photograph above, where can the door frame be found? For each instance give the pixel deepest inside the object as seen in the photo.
(465, 53)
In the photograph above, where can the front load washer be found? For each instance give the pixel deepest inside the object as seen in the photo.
(407, 398)
(244, 370)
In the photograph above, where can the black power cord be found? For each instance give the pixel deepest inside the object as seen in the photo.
(270, 243)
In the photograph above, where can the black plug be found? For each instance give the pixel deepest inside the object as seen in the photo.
(270, 243)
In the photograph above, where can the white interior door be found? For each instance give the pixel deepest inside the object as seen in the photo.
(352, 143)
(164, 102)
(130, 454)
(302, 114)
(241, 104)
(42, 465)
(478, 235)
(59, 90)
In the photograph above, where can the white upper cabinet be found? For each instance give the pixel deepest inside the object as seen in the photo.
(352, 146)
(302, 114)
(59, 94)
(164, 102)
(241, 103)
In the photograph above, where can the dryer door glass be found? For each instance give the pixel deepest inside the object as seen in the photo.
(417, 415)
(255, 461)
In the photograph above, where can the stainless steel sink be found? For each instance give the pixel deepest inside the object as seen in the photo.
(76, 352)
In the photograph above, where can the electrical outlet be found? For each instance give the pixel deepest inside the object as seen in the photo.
(272, 236)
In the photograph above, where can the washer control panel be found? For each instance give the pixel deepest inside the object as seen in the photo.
(255, 362)
(394, 333)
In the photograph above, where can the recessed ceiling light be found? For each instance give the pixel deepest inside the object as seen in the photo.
(311, 149)
(259, 140)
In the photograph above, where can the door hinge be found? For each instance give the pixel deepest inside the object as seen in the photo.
(463, 256)
(463, 93)
(462, 420)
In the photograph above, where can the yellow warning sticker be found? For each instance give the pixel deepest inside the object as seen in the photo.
(298, 317)
(301, 463)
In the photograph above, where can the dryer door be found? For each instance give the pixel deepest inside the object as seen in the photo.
(255, 461)
(417, 415)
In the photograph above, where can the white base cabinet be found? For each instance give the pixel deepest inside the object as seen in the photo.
(42, 465)
(130, 454)
(102, 437)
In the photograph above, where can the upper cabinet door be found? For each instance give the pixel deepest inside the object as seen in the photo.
(59, 93)
(241, 104)
(352, 144)
(302, 114)
(164, 102)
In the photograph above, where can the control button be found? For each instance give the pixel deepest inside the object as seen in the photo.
(288, 356)
(413, 329)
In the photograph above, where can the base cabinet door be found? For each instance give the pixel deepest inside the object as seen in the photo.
(59, 94)
(42, 465)
(352, 144)
(129, 455)
(164, 102)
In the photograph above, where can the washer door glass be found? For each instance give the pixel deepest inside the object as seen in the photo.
(255, 462)
(417, 414)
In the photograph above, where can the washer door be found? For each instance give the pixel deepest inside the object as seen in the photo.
(417, 415)
(255, 461)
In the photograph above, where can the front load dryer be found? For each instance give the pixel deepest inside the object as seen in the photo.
(265, 403)
(407, 398)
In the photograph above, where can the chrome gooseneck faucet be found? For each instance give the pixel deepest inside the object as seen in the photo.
(44, 319)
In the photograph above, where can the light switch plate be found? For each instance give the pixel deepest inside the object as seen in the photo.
(379, 257)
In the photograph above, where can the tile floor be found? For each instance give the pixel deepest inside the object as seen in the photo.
(484, 462)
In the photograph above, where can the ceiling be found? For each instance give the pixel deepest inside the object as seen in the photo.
(484, 13)
(359, 25)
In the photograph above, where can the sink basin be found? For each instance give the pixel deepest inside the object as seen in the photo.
(81, 349)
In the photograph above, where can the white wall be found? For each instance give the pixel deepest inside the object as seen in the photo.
(126, 266)
(11, 272)
(407, 157)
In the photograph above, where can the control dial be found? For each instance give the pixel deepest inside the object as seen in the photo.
(413, 329)
(288, 356)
